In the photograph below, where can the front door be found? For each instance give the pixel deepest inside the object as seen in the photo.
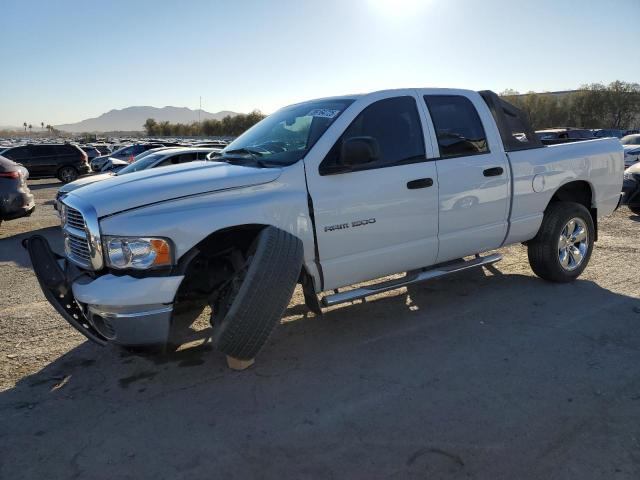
(473, 174)
(381, 217)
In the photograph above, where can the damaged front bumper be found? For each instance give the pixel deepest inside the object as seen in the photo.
(106, 309)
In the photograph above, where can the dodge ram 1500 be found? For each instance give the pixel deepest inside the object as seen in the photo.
(326, 193)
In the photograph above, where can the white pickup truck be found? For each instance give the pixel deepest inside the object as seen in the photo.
(326, 193)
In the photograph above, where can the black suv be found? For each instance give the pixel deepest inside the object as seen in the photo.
(64, 161)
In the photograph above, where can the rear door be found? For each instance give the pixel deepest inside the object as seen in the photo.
(67, 155)
(473, 175)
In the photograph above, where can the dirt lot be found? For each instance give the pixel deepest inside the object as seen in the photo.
(488, 374)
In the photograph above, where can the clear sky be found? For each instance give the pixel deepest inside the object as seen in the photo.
(67, 60)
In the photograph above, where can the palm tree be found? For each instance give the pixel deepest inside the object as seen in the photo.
(30, 127)
(25, 127)
(42, 125)
(49, 128)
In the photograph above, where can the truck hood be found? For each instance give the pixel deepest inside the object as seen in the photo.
(137, 189)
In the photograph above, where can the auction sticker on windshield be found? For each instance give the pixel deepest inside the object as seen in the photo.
(323, 113)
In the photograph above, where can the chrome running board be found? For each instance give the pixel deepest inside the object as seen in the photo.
(411, 277)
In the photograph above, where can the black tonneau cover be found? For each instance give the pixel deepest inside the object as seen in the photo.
(514, 128)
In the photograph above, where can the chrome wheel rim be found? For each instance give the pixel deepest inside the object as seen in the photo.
(573, 244)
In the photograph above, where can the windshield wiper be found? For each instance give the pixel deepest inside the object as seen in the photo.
(228, 155)
(248, 150)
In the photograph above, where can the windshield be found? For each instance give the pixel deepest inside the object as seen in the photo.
(141, 164)
(286, 136)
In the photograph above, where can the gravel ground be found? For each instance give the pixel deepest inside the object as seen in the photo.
(486, 374)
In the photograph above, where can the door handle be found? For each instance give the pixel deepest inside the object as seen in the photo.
(420, 183)
(493, 172)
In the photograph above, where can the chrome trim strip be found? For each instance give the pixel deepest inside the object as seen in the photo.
(98, 311)
(92, 228)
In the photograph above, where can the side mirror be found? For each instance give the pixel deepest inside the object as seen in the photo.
(356, 151)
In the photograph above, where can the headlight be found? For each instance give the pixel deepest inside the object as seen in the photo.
(138, 253)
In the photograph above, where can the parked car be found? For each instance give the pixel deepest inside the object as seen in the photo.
(633, 139)
(608, 133)
(631, 154)
(141, 155)
(554, 136)
(102, 148)
(162, 157)
(631, 188)
(326, 193)
(66, 162)
(127, 153)
(15, 198)
(213, 143)
(92, 152)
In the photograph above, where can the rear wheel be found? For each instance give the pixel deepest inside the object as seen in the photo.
(252, 301)
(67, 174)
(562, 249)
(635, 209)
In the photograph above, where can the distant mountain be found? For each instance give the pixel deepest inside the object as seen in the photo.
(133, 118)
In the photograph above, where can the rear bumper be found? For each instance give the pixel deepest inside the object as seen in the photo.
(16, 205)
(107, 309)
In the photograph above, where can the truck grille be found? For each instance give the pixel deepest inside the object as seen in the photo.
(76, 244)
(75, 219)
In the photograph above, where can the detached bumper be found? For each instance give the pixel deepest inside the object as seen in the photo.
(108, 309)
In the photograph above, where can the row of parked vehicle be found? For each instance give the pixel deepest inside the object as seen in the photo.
(17, 201)
(151, 158)
(630, 139)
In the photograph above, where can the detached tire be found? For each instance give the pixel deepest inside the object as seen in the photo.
(562, 248)
(258, 294)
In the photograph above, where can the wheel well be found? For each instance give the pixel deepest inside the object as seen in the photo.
(211, 263)
(580, 192)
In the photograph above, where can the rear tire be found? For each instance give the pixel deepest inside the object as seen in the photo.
(562, 248)
(258, 294)
(67, 174)
(635, 209)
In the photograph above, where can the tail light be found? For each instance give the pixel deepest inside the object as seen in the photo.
(12, 175)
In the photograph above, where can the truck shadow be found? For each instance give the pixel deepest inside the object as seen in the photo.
(441, 379)
(11, 250)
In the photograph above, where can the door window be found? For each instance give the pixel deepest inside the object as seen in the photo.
(42, 150)
(395, 124)
(458, 126)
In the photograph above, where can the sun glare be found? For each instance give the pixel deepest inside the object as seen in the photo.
(398, 8)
